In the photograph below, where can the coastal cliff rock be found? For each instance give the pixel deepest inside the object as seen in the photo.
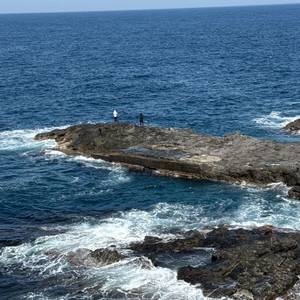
(261, 263)
(234, 157)
(293, 126)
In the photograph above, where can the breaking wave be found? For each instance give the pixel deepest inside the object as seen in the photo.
(23, 140)
(275, 120)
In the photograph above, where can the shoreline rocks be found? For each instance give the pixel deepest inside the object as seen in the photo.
(262, 263)
(234, 157)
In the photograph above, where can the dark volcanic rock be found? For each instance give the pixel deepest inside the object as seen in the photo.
(293, 126)
(183, 152)
(247, 264)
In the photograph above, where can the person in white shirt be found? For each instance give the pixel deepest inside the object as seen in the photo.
(115, 115)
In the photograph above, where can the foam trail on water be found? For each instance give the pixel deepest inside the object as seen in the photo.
(117, 173)
(275, 120)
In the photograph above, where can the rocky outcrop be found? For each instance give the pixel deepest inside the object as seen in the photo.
(262, 263)
(293, 126)
(105, 256)
(183, 152)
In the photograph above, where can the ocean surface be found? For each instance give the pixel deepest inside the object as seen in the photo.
(214, 70)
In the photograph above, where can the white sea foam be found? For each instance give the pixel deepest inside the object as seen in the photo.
(279, 187)
(255, 211)
(133, 277)
(23, 140)
(275, 120)
(37, 296)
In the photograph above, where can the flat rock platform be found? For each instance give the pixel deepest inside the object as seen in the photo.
(234, 157)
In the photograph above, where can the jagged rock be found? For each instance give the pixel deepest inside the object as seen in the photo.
(183, 152)
(295, 192)
(105, 256)
(96, 258)
(293, 126)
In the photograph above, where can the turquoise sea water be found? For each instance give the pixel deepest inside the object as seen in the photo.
(212, 70)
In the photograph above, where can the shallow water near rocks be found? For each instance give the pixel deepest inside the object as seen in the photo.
(211, 70)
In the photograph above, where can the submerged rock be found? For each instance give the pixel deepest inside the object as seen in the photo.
(183, 152)
(261, 263)
(105, 256)
(293, 126)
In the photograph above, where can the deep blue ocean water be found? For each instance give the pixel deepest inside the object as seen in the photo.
(213, 70)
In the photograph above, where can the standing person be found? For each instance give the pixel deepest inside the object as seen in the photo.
(141, 119)
(115, 115)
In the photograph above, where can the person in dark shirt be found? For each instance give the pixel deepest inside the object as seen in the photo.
(141, 119)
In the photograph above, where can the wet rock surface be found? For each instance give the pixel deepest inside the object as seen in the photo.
(293, 126)
(261, 263)
(183, 152)
(105, 256)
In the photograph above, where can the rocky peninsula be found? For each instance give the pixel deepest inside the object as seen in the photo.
(234, 157)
